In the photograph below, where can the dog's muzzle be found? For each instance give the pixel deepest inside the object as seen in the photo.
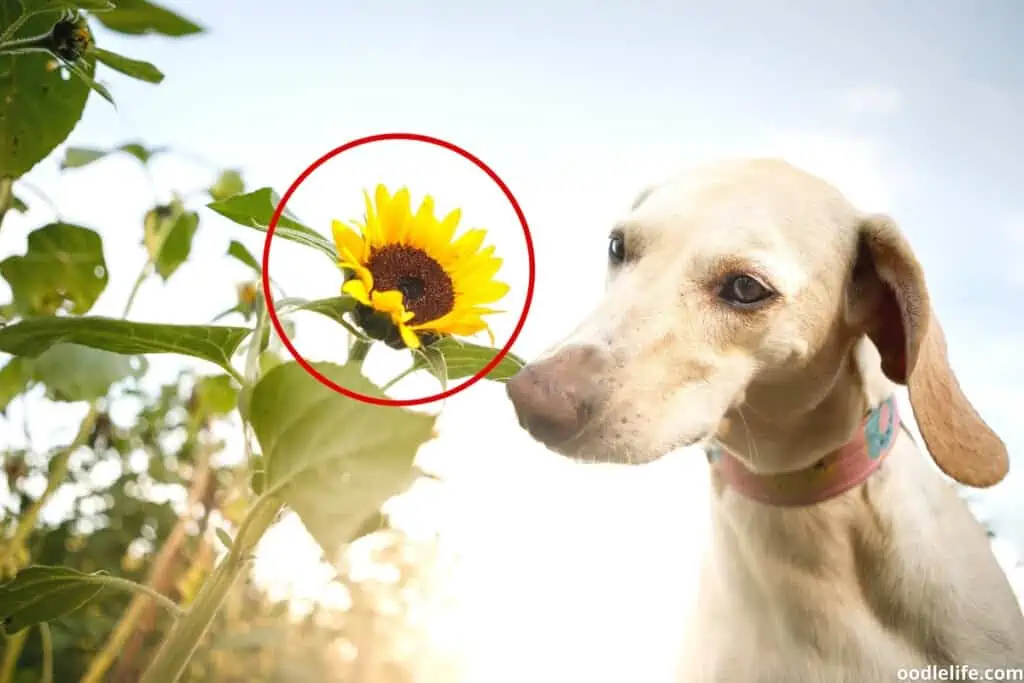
(554, 398)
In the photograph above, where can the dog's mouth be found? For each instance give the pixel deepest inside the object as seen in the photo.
(599, 451)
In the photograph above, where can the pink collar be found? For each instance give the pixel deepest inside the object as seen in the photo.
(833, 475)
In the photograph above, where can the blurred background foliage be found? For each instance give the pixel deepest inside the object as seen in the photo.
(151, 490)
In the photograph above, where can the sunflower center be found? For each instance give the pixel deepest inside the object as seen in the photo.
(426, 289)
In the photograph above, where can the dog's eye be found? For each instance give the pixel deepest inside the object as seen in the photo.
(616, 249)
(744, 291)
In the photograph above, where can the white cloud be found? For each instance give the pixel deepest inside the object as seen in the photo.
(873, 100)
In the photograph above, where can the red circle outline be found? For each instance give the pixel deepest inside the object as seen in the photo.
(268, 295)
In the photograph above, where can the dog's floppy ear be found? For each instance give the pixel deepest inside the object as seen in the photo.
(899, 319)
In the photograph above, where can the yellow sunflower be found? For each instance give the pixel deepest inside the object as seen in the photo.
(408, 266)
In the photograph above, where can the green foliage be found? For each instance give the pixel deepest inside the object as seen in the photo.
(332, 460)
(143, 71)
(238, 251)
(39, 594)
(255, 209)
(78, 373)
(210, 342)
(15, 377)
(139, 17)
(216, 395)
(462, 359)
(77, 157)
(89, 5)
(228, 184)
(335, 307)
(335, 461)
(63, 266)
(39, 107)
(167, 234)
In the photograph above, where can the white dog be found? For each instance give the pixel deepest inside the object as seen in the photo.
(753, 310)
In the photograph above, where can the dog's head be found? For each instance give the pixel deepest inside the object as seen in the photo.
(737, 293)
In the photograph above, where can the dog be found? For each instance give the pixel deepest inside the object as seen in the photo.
(752, 310)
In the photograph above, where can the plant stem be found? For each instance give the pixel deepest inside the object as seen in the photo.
(44, 197)
(6, 197)
(12, 650)
(252, 356)
(181, 643)
(140, 590)
(5, 37)
(141, 278)
(400, 376)
(47, 648)
(358, 351)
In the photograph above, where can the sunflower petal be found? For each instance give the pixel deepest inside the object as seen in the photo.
(422, 228)
(478, 269)
(396, 219)
(371, 231)
(446, 230)
(489, 292)
(469, 242)
(388, 302)
(345, 238)
(357, 290)
(350, 262)
(410, 338)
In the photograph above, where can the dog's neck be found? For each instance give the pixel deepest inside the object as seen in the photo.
(808, 456)
(833, 475)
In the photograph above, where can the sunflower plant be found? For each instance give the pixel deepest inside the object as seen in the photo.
(408, 279)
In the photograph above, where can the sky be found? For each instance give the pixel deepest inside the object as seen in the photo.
(913, 109)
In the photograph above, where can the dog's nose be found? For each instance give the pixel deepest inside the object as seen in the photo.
(554, 397)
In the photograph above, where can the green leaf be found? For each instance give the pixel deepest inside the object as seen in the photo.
(228, 184)
(209, 342)
(465, 360)
(258, 479)
(139, 17)
(39, 108)
(255, 209)
(334, 460)
(39, 594)
(334, 307)
(216, 395)
(268, 361)
(17, 204)
(15, 378)
(433, 361)
(168, 235)
(137, 69)
(63, 264)
(87, 76)
(78, 373)
(77, 157)
(238, 251)
(374, 523)
(141, 153)
(34, 6)
(223, 537)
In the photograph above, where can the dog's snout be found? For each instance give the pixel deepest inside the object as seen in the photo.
(554, 397)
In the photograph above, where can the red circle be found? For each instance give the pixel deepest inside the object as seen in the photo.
(268, 295)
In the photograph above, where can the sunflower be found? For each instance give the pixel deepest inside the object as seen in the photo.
(408, 267)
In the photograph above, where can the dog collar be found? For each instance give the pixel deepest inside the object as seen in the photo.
(829, 477)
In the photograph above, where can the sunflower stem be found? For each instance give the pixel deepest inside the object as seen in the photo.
(358, 352)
